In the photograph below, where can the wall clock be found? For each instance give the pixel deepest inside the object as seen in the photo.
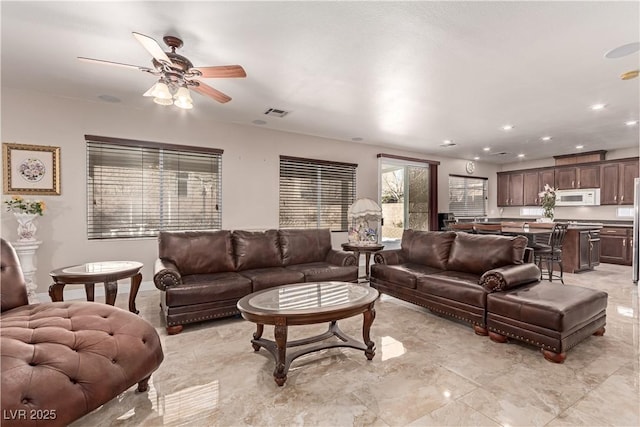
(471, 167)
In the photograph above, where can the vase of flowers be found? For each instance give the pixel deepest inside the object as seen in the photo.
(26, 212)
(548, 201)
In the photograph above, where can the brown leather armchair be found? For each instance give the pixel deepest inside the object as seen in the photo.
(62, 360)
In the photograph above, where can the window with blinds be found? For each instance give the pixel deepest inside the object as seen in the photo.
(137, 188)
(467, 196)
(316, 193)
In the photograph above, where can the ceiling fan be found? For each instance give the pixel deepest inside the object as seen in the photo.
(176, 73)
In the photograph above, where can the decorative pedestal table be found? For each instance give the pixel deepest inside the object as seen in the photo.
(367, 250)
(26, 250)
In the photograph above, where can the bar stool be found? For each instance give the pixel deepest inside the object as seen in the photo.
(462, 226)
(487, 228)
(552, 252)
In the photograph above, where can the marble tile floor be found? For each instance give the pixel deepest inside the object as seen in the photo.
(428, 371)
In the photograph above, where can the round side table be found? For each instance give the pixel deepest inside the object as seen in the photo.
(367, 250)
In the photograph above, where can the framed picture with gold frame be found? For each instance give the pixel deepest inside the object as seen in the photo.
(31, 169)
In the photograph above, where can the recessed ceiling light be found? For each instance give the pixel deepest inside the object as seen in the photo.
(521, 155)
(447, 142)
(259, 122)
(596, 107)
(486, 149)
(356, 139)
(579, 147)
(507, 127)
(631, 122)
(624, 50)
(476, 158)
(546, 138)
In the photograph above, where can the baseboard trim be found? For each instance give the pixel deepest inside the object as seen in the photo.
(76, 292)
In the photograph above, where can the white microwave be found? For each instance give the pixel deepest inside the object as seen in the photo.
(583, 197)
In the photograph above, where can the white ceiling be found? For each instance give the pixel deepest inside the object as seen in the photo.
(400, 74)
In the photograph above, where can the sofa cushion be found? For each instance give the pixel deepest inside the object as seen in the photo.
(201, 288)
(304, 246)
(256, 249)
(477, 253)
(263, 278)
(323, 272)
(197, 252)
(430, 248)
(454, 285)
(401, 274)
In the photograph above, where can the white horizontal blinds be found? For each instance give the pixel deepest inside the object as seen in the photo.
(135, 189)
(467, 196)
(316, 193)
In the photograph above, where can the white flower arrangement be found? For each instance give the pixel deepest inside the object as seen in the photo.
(548, 200)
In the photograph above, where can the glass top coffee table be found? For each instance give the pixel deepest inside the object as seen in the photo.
(107, 272)
(304, 304)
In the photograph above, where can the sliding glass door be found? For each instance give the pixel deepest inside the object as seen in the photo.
(404, 197)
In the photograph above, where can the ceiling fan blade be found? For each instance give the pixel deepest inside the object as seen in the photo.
(222, 71)
(152, 47)
(207, 90)
(116, 64)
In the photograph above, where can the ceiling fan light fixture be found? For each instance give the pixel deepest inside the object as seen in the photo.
(184, 104)
(160, 90)
(163, 101)
(183, 98)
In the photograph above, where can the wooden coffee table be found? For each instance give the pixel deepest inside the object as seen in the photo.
(88, 274)
(304, 304)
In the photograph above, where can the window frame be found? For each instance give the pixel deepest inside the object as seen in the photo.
(171, 158)
(332, 169)
(468, 212)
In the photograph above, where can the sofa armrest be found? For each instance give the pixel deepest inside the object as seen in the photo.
(389, 257)
(166, 274)
(341, 258)
(510, 276)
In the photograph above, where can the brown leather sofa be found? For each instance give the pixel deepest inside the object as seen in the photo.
(203, 274)
(62, 360)
(491, 282)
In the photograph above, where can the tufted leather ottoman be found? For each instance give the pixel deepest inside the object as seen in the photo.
(550, 316)
(62, 360)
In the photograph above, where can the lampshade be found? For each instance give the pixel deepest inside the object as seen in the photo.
(163, 101)
(364, 208)
(159, 90)
(183, 98)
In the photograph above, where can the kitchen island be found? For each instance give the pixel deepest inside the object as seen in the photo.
(581, 247)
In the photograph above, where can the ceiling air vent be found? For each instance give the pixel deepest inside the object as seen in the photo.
(500, 153)
(448, 144)
(276, 112)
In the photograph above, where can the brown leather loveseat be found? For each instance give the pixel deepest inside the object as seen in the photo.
(62, 360)
(490, 282)
(203, 274)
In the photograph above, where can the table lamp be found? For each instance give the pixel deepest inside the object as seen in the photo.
(364, 216)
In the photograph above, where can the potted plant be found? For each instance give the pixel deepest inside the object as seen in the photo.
(548, 202)
(25, 211)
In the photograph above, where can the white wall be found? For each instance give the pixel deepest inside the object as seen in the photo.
(250, 169)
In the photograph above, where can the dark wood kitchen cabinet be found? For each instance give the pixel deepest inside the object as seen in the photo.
(581, 249)
(510, 188)
(570, 177)
(615, 245)
(616, 185)
(533, 183)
